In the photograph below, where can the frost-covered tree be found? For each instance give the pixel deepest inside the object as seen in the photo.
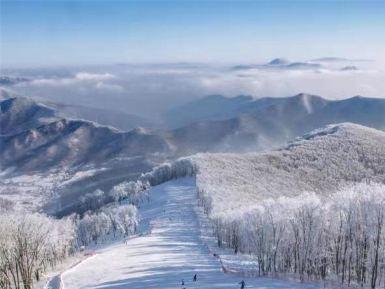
(29, 243)
(107, 223)
(93, 201)
(339, 237)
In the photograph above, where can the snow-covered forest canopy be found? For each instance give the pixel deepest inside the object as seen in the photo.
(314, 209)
(323, 161)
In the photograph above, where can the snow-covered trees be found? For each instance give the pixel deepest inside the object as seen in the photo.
(93, 201)
(323, 162)
(30, 243)
(338, 237)
(259, 204)
(182, 167)
(107, 223)
(133, 192)
(6, 205)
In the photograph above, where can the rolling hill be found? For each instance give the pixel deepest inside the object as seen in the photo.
(246, 124)
(322, 161)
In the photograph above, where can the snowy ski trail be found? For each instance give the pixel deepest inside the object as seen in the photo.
(172, 251)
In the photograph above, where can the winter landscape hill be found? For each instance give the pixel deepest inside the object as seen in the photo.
(284, 213)
(78, 156)
(32, 131)
(67, 143)
(322, 161)
(114, 118)
(254, 208)
(295, 208)
(20, 114)
(36, 137)
(246, 124)
(73, 156)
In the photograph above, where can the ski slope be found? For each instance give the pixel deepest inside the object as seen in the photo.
(171, 251)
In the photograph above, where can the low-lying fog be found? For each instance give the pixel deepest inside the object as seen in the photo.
(149, 90)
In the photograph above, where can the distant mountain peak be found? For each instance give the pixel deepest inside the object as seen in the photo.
(310, 102)
(306, 101)
(279, 61)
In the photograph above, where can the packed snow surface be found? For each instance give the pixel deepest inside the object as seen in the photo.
(171, 251)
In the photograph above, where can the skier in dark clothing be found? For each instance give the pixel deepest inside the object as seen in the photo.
(243, 284)
(182, 282)
(195, 278)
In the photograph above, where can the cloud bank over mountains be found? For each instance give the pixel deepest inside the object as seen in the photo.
(151, 89)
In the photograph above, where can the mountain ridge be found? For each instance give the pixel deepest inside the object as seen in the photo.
(269, 122)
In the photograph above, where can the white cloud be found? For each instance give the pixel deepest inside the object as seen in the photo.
(332, 84)
(93, 76)
(77, 78)
(150, 90)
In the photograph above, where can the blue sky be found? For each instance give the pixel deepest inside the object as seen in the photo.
(43, 33)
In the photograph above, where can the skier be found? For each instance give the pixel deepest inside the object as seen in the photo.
(243, 284)
(182, 282)
(195, 278)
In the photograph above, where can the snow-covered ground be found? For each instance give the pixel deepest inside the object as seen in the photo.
(31, 191)
(172, 250)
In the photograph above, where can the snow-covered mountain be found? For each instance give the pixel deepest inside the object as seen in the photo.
(322, 161)
(75, 156)
(219, 107)
(118, 119)
(32, 132)
(19, 114)
(35, 137)
(212, 107)
(74, 142)
(50, 161)
(217, 123)
(326, 185)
